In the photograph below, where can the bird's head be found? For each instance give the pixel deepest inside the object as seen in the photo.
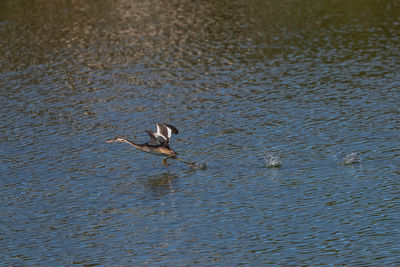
(118, 139)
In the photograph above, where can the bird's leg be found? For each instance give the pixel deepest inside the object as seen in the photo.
(191, 164)
(164, 161)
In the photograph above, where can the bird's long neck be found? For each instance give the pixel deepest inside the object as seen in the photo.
(135, 145)
(158, 150)
(124, 140)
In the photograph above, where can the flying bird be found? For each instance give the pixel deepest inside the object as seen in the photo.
(158, 144)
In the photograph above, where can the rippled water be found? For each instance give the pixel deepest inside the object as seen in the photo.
(307, 83)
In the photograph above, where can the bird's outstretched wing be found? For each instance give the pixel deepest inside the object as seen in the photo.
(166, 130)
(163, 134)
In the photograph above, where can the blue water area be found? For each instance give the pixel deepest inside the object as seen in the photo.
(290, 110)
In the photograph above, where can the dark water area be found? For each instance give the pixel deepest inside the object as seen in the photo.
(314, 85)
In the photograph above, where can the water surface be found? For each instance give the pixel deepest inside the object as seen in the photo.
(308, 82)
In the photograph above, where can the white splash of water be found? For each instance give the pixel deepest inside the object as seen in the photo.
(199, 166)
(351, 158)
(272, 161)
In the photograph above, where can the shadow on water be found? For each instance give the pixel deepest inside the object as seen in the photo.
(161, 184)
(142, 186)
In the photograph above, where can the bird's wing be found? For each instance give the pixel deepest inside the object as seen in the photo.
(166, 130)
(156, 139)
(172, 129)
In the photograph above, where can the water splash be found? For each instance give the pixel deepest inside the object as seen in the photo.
(199, 166)
(351, 158)
(193, 165)
(272, 161)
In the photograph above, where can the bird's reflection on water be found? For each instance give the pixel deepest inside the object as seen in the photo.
(162, 184)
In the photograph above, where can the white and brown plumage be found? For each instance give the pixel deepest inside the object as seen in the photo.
(158, 144)
(162, 136)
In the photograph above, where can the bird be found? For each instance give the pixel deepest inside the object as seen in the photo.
(158, 144)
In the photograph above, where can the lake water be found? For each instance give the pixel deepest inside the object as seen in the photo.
(313, 85)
